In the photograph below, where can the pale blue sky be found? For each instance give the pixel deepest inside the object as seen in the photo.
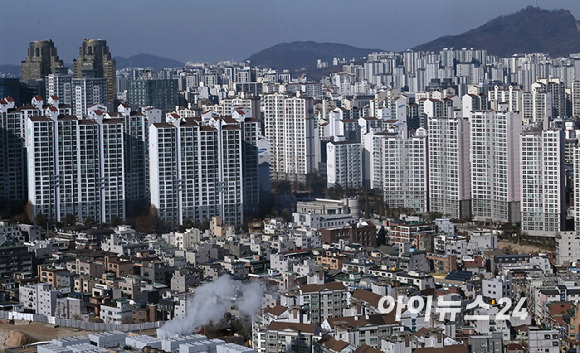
(212, 30)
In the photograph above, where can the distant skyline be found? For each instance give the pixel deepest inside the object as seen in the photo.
(215, 30)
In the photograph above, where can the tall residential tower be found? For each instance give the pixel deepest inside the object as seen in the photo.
(94, 61)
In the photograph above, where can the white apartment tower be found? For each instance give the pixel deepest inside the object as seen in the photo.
(577, 182)
(449, 168)
(575, 98)
(542, 182)
(495, 166)
(344, 164)
(196, 170)
(75, 167)
(405, 168)
(535, 107)
(556, 88)
(289, 125)
(373, 159)
(510, 97)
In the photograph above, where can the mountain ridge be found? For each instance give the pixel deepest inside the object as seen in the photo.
(146, 60)
(529, 30)
(303, 54)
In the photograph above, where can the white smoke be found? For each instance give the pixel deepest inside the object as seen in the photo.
(211, 302)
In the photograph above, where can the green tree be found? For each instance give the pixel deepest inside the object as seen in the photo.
(70, 219)
(41, 220)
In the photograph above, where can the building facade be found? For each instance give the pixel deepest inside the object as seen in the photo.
(495, 167)
(344, 164)
(289, 126)
(406, 170)
(94, 61)
(543, 207)
(449, 170)
(75, 167)
(42, 60)
(196, 170)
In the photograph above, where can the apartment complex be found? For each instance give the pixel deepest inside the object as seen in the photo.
(495, 166)
(289, 126)
(449, 169)
(543, 206)
(95, 61)
(406, 170)
(75, 167)
(196, 169)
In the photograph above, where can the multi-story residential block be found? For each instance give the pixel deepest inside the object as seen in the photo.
(575, 98)
(42, 60)
(373, 144)
(13, 151)
(543, 206)
(344, 164)
(87, 92)
(449, 170)
(289, 126)
(60, 85)
(497, 288)
(401, 232)
(556, 88)
(75, 167)
(495, 169)
(567, 247)
(536, 106)
(543, 340)
(196, 170)
(324, 300)
(136, 148)
(406, 170)
(160, 93)
(364, 233)
(283, 337)
(39, 298)
(94, 61)
(250, 126)
(118, 312)
(509, 98)
(363, 329)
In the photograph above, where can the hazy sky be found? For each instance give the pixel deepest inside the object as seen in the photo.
(213, 30)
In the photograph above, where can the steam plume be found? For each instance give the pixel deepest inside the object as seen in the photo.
(211, 301)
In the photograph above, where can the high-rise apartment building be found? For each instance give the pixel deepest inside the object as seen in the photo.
(250, 131)
(406, 170)
(13, 152)
(160, 93)
(510, 98)
(136, 148)
(536, 106)
(196, 170)
(87, 92)
(344, 164)
(373, 159)
(577, 182)
(449, 169)
(542, 182)
(495, 166)
(60, 85)
(42, 60)
(94, 61)
(575, 98)
(556, 88)
(75, 167)
(289, 126)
